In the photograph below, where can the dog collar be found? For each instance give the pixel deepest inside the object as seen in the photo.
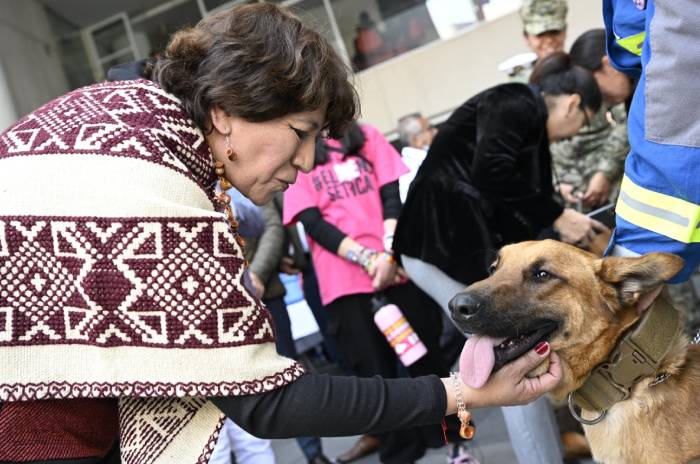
(638, 354)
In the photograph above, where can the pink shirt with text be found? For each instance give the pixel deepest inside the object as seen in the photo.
(347, 194)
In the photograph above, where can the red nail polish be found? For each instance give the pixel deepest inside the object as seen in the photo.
(542, 348)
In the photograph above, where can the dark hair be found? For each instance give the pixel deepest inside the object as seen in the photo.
(258, 62)
(589, 49)
(556, 75)
(351, 143)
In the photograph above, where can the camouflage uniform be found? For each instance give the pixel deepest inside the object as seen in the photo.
(599, 147)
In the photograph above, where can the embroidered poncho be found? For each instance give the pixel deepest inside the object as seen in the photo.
(117, 276)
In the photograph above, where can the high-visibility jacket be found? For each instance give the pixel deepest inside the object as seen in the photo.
(659, 204)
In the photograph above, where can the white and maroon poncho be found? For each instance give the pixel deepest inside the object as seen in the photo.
(118, 279)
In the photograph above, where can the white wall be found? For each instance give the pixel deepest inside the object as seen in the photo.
(29, 57)
(438, 77)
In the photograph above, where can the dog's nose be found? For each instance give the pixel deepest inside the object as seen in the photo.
(464, 305)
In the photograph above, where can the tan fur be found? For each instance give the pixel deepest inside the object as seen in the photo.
(595, 301)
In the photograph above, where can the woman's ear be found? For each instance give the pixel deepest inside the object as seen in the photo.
(572, 103)
(219, 120)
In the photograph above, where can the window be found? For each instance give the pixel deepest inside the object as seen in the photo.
(152, 32)
(375, 30)
(364, 32)
(314, 12)
(492, 9)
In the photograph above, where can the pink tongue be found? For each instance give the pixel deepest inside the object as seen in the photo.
(477, 360)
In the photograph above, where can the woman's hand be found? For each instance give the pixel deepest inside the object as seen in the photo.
(383, 271)
(510, 385)
(287, 266)
(567, 193)
(258, 285)
(598, 191)
(577, 228)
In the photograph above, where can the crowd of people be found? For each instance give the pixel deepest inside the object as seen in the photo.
(157, 299)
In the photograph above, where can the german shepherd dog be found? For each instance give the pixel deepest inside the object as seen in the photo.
(582, 305)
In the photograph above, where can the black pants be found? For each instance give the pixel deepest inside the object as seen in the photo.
(368, 353)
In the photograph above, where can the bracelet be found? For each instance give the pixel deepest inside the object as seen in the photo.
(388, 241)
(377, 255)
(364, 257)
(466, 429)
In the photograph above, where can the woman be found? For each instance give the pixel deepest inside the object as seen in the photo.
(120, 280)
(348, 205)
(588, 167)
(485, 182)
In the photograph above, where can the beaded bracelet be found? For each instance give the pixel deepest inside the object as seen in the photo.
(377, 255)
(364, 257)
(466, 429)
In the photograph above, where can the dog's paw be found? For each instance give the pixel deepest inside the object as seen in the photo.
(540, 369)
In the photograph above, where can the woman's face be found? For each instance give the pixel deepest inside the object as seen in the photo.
(566, 117)
(268, 154)
(614, 86)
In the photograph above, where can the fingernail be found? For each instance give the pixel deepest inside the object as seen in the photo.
(542, 348)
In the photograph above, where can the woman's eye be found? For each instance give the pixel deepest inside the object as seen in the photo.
(542, 275)
(301, 135)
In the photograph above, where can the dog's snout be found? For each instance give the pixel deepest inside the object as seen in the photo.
(464, 305)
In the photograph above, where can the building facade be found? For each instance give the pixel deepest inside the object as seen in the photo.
(408, 55)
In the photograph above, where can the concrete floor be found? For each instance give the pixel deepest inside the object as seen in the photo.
(490, 445)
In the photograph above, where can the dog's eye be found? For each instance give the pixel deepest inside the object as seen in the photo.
(492, 269)
(542, 274)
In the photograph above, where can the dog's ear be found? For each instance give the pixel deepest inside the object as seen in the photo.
(635, 276)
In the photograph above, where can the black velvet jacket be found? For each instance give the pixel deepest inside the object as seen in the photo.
(485, 182)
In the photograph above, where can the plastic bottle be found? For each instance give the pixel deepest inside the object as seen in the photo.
(398, 332)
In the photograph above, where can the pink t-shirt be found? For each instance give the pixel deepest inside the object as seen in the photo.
(347, 194)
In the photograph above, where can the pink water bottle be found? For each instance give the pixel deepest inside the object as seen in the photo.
(397, 330)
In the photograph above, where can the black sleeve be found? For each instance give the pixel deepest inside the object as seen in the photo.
(391, 201)
(324, 233)
(326, 406)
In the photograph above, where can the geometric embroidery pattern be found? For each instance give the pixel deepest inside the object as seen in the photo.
(109, 282)
(148, 425)
(126, 118)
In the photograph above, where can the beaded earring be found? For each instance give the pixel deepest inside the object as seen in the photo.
(230, 154)
(224, 201)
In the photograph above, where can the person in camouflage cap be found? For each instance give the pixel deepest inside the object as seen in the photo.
(544, 31)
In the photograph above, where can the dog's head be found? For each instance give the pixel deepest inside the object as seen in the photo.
(548, 290)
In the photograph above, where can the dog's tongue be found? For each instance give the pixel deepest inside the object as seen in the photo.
(477, 360)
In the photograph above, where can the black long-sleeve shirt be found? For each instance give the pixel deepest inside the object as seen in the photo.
(329, 236)
(324, 405)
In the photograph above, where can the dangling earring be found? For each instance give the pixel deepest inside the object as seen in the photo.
(224, 201)
(229, 151)
(220, 172)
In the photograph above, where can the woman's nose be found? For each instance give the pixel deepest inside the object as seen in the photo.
(304, 158)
